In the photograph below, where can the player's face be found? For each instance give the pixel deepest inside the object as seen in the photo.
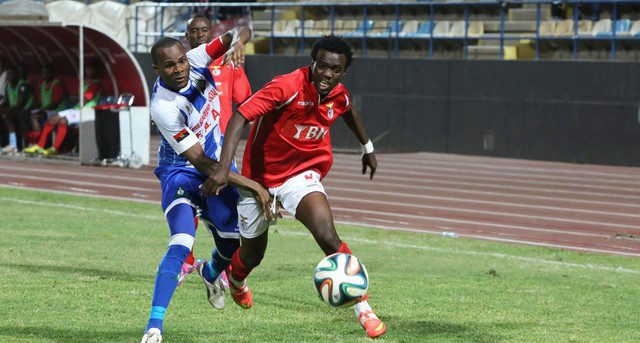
(327, 70)
(199, 32)
(173, 66)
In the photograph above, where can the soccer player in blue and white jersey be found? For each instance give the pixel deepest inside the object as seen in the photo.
(186, 110)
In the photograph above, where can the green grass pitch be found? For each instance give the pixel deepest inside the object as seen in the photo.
(80, 269)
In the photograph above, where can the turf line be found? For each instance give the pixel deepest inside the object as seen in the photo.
(356, 239)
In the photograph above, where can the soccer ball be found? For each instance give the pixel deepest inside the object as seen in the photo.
(341, 280)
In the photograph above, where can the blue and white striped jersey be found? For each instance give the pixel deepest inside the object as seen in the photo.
(190, 116)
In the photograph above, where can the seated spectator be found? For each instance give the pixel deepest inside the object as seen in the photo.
(51, 100)
(69, 117)
(3, 82)
(15, 115)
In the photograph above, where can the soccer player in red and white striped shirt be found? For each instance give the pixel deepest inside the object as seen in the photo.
(289, 152)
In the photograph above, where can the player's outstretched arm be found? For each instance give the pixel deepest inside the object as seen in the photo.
(354, 121)
(218, 180)
(235, 39)
(208, 166)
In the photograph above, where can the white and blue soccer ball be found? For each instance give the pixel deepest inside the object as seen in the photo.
(341, 280)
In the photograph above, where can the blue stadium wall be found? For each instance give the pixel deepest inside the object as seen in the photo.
(584, 112)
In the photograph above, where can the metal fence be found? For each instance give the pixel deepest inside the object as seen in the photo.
(618, 30)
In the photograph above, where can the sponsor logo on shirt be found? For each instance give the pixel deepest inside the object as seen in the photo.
(309, 132)
(305, 103)
(181, 135)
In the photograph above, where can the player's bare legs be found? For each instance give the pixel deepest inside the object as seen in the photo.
(314, 212)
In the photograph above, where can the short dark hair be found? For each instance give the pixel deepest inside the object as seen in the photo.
(198, 16)
(164, 42)
(335, 44)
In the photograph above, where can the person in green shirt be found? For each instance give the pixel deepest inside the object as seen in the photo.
(69, 117)
(16, 113)
(52, 93)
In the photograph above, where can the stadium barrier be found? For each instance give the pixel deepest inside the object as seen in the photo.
(511, 30)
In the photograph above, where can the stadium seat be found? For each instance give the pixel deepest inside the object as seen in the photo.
(322, 27)
(584, 27)
(476, 29)
(394, 27)
(349, 25)
(441, 29)
(361, 28)
(308, 27)
(635, 29)
(424, 29)
(563, 28)
(279, 26)
(602, 28)
(547, 28)
(623, 27)
(291, 29)
(409, 28)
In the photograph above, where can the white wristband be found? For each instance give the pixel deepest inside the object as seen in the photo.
(367, 148)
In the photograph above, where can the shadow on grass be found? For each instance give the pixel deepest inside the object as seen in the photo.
(84, 336)
(429, 330)
(70, 270)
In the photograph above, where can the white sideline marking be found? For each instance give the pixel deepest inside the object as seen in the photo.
(451, 209)
(474, 253)
(482, 202)
(550, 245)
(512, 178)
(76, 182)
(355, 239)
(508, 193)
(352, 178)
(81, 208)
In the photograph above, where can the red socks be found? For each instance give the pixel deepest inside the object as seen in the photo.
(238, 270)
(343, 249)
(46, 131)
(60, 135)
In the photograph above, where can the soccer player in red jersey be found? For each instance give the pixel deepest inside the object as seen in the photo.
(289, 152)
(231, 85)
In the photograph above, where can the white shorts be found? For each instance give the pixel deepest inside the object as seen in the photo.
(289, 194)
(72, 115)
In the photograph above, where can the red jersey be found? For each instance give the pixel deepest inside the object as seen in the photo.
(232, 86)
(292, 134)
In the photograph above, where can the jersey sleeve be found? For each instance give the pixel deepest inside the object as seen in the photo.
(202, 56)
(241, 87)
(274, 94)
(172, 126)
(347, 99)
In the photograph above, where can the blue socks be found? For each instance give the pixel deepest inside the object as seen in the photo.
(215, 266)
(166, 282)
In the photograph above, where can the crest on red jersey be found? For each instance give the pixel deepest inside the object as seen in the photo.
(215, 70)
(330, 111)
